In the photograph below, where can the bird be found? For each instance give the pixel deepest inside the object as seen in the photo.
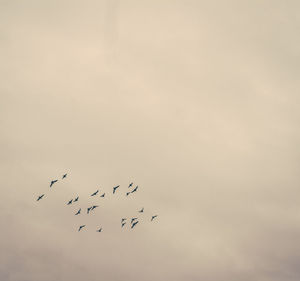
(127, 193)
(123, 224)
(88, 209)
(94, 207)
(142, 210)
(80, 227)
(130, 185)
(153, 217)
(76, 199)
(133, 219)
(78, 212)
(40, 197)
(70, 202)
(64, 176)
(135, 189)
(95, 193)
(102, 195)
(115, 188)
(133, 225)
(124, 219)
(99, 230)
(53, 182)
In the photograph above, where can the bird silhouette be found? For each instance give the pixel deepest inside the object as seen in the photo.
(78, 212)
(70, 202)
(153, 217)
(40, 197)
(64, 176)
(124, 219)
(123, 224)
(80, 227)
(76, 199)
(89, 209)
(133, 225)
(95, 193)
(135, 189)
(102, 195)
(142, 210)
(115, 188)
(127, 193)
(94, 207)
(53, 182)
(99, 230)
(130, 185)
(133, 219)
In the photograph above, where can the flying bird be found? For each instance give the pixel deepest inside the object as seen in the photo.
(115, 188)
(70, 202)
(102, 195)
(124, 219)
(80, 227)
(135, 189)
(133, 225)
(127, 193)
(95, 193)
(89, 209)
(153, 217)
(40, 197)
(123, 224)
(76, 199)
(99, 230)
(78, 212)
(64, 176)
(133, 219)
(94, 207)
(53, 182)
(130, 185)
(142, 210)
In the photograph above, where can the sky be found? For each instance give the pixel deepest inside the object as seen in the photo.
(196, 102)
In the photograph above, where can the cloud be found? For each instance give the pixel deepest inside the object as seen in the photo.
(196, 102)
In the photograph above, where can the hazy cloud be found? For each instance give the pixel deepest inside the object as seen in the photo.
(194, 101)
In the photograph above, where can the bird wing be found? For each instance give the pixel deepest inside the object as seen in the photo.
(133, 225)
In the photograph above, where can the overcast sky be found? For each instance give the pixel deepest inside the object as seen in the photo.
(196, 102)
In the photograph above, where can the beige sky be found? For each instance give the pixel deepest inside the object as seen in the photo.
(195, 101)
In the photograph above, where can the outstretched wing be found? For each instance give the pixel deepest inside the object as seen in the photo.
(153, 217)
(40, 197)
(134, 224)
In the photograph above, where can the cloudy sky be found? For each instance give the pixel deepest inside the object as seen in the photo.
(197, 102)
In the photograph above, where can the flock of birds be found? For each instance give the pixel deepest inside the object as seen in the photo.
(133, 221)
